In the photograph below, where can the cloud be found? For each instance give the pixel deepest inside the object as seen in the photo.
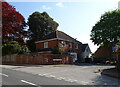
(59, 4)
(46, 7)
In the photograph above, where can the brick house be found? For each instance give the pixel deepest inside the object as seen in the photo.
(103, 53)
(61, 39)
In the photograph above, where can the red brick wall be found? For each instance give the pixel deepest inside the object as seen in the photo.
(51, 44)
(66, 48)
(37, 59)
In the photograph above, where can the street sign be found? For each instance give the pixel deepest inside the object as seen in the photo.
(113, 48)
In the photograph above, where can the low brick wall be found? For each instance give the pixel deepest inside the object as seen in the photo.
(37, 59)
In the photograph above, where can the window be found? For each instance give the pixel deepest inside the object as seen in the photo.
(70, 45)
(45, 44)
(76, 46)
(63, 43)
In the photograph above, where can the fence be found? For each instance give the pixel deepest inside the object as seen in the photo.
(37, 59)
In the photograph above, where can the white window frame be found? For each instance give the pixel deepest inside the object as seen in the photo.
(63, 43)
(45, 44)
(70, 45)
(76, 46)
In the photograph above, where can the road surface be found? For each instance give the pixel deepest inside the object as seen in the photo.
(13, 77)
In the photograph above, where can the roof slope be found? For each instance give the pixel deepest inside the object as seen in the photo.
(84, 47)
(59, 35)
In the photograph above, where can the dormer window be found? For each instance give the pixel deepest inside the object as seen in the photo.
(63, 43)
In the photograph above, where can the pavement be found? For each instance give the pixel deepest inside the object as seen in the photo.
(112, 72)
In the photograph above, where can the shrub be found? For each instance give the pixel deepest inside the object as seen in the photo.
(57, 50)
(24, 49)
(13, 47)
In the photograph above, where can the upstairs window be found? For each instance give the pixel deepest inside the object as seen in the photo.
(70, 45)
(76, 46)
(63, 43)
(45, 44)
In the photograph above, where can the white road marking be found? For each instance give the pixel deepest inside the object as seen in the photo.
(84, 83)
(28, 82)
(3, 74)
(52, 76)
(44, 74)
(61, 78)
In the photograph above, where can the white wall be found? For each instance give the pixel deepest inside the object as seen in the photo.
(86, 54)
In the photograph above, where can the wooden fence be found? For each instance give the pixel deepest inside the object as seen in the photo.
(37, 59)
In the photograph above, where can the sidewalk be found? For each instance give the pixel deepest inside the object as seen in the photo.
(112, 72)
(27, 65)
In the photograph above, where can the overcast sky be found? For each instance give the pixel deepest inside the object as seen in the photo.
(75, 18)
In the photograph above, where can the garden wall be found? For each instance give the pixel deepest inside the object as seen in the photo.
(37, 59)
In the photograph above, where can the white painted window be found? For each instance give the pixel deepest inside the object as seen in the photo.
(63, 43)
(45, 44)
(70, 45)
(76, 46)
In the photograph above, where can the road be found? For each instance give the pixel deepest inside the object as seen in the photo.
(13, 77)
(59, 75)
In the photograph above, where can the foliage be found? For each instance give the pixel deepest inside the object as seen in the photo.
(57, 50)
(24, 49)
(107, 30)
(13, 23)
(40, 24)
(13, 47)
(31, 45)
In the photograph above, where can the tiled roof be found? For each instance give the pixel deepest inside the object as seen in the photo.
(59, 35)
(84, 46)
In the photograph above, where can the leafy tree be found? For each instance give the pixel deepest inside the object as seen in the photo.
(41, 24)
(107, 30)
(13, 23)
(13, 47)
(31, 45)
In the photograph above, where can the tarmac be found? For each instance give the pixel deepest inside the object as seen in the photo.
(112, 72)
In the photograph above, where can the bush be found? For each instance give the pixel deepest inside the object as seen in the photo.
(24, 49)
(13, 47)
(57, 50)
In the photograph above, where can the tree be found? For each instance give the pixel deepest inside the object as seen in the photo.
(13, 47)
(40, 24)
(13, 23)
(107, 30)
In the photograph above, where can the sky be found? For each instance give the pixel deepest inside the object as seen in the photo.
(75, 17)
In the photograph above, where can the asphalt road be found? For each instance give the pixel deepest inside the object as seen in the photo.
(13, 77)
(36, 75)
(83, 74)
